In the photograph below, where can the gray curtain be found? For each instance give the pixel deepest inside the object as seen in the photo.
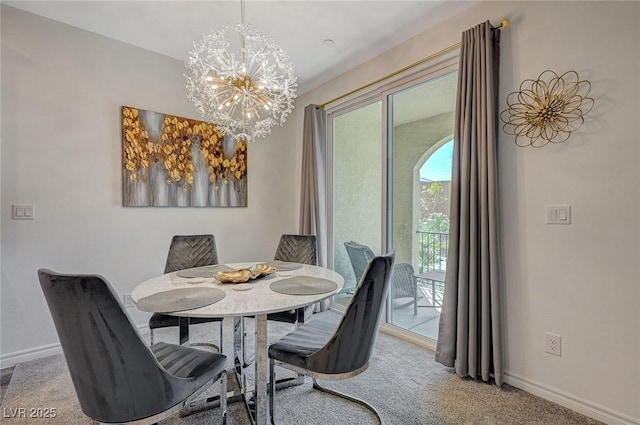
(313, 218)
(470, 334)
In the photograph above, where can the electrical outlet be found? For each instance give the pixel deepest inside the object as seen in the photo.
(553, 344)
(128, 302)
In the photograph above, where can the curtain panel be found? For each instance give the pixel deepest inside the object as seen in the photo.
(470, 336)
(313, 213)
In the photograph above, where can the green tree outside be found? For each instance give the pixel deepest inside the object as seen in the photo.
(433, 222)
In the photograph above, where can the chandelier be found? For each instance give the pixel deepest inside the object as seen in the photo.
(245, 89)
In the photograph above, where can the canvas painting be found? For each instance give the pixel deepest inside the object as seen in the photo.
(170, 161)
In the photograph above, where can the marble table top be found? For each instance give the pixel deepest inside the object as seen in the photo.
(242, 299)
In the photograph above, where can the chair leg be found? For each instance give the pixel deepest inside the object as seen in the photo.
(240, 336)
(290, 382)
(183, 330)
(184, 337)
(433, 292)
(223, 398)
(238, 352)
(246, 361)
(221, 339)
(272, 388)
(151, 336)
(372, 409)
(299, 322)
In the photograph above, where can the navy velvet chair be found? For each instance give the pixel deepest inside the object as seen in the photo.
(116, 376)
(324, 350)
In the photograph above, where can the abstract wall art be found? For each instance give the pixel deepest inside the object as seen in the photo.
(171, 161)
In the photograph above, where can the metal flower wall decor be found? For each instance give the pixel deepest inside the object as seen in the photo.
(547, 110)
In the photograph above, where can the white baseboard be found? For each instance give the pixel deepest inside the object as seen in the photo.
(409, 336)
(12, 359)
(577, 404)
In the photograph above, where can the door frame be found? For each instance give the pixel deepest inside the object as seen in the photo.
(382, 91)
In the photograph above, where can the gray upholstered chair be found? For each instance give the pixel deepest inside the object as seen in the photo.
(117, 377)
(185, 252)
(359, 256)
(403, 281)
(404, 287)
(296, 249)
(324, 350)
(292, 249)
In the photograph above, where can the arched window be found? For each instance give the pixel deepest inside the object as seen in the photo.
(435, 187)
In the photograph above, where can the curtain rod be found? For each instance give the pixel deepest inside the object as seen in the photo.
(502, 25)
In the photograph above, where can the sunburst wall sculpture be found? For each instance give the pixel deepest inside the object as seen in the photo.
(180, 162)
(547, 110)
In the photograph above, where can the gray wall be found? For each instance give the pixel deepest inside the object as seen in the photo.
(62, 89)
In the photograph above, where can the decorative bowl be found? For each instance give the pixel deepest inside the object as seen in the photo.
(245, 275)
(263, 269)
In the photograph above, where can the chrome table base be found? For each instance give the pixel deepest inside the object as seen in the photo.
(255, 397)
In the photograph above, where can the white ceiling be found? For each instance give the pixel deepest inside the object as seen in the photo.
(360, 29)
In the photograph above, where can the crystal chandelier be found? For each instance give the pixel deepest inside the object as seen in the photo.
(244, 90)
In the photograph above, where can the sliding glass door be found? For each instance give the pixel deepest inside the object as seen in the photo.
(390, 176)
(421, 119)
(357, 184)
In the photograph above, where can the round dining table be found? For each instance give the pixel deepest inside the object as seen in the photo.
(199, 292)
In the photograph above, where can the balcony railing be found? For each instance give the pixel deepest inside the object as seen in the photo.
(432, 249)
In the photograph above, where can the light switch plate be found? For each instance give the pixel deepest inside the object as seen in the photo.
(23, 212)
(564, 214)
(552, 214)
(558, 214)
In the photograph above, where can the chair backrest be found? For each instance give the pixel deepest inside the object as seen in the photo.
(297, 249)
(115, 375)
(187, 251)
(351, 346)
(359, 255)
(404, 284)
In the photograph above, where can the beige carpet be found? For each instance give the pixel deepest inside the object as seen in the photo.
(403, 382)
